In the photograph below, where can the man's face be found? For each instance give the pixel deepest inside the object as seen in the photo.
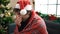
(24, 17)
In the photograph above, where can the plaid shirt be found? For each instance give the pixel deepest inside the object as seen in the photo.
(36, 25)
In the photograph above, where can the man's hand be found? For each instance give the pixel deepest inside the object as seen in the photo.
(18, 20)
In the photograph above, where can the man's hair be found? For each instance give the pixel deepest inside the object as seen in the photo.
(16, 10)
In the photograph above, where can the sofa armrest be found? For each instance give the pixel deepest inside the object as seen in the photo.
(11, 28)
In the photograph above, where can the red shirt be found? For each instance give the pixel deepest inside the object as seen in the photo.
(36, 25)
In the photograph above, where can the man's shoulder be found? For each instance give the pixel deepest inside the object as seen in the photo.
(38, 19)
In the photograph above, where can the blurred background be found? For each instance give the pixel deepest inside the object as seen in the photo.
(49, 10)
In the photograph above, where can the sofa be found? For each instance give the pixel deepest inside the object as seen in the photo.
(53, 28)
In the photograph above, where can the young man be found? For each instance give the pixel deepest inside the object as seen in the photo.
(27, 21)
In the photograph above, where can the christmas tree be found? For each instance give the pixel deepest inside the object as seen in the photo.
(5, 16)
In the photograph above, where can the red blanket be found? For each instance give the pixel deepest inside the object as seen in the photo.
(36, 25)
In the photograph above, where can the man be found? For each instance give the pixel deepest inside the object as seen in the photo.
(27, 21)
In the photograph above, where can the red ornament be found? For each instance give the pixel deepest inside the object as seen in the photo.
(52, 17)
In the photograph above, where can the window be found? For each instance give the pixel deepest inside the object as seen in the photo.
(52, 1)
(48, 6)
(58, 10)
(58, 1)
(52, 9)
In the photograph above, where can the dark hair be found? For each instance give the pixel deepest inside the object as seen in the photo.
(16, 10)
